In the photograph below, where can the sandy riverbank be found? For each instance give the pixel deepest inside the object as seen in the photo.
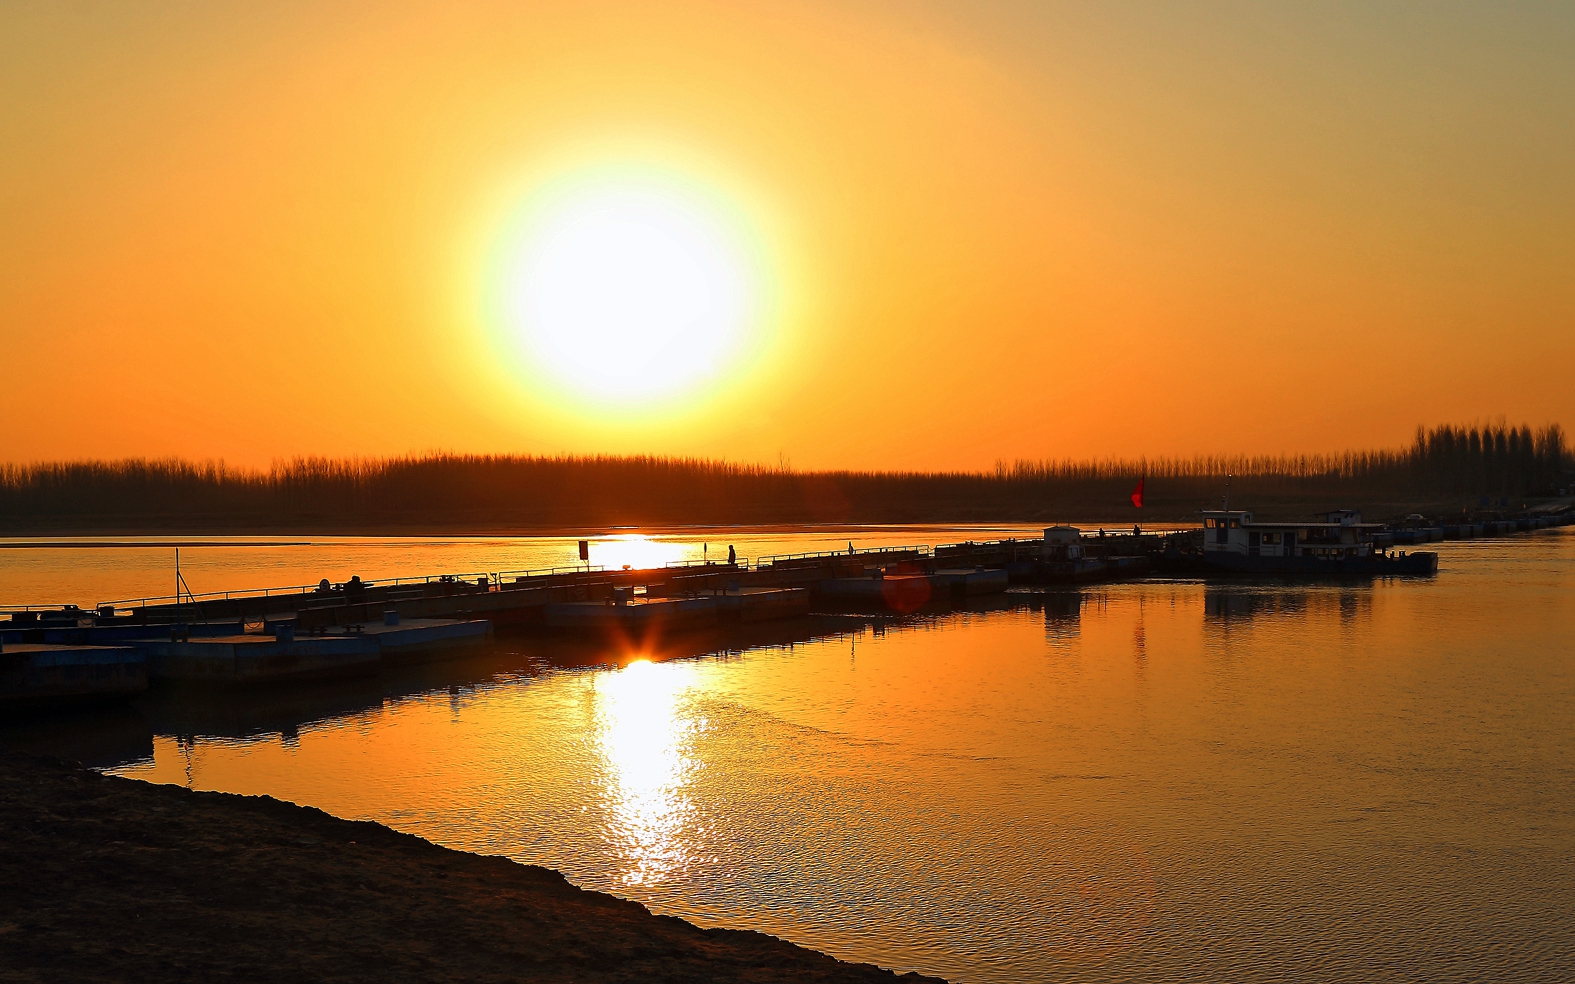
(109, 879)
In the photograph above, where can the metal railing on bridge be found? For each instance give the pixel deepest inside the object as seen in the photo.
(741, 564)
(922, 550)
(535, 572)
(487, 580)
(296, 589)
(56, 609)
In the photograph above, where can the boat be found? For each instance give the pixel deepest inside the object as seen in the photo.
(1340, 545)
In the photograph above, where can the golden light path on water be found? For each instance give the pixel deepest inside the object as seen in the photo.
(645, 741)
(1154, 781)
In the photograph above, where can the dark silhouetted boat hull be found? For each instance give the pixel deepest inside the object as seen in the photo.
(1419, 564)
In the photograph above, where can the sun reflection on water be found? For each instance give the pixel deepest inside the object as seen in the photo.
(638, 551)
(646, 738)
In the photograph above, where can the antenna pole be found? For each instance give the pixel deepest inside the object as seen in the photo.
(1227, 491)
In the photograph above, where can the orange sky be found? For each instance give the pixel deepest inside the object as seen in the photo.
(989, 231)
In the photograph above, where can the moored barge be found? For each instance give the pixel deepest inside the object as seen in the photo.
(1340, 545)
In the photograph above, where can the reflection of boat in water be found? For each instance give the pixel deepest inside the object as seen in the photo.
(1339, 546)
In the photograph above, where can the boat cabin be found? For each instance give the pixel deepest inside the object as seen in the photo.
(1341, 534)
(1062, 543)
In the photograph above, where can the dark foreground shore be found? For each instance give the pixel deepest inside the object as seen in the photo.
(109, 879)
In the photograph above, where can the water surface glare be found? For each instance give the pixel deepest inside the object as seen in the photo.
(1151, 781)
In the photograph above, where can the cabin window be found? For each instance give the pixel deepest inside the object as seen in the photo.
(1210, 522)
(1270, 539)
(1234, 524)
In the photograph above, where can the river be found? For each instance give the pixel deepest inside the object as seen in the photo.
(1152, 781)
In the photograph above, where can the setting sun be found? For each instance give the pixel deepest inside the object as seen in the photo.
(630, 291)
(758, 490)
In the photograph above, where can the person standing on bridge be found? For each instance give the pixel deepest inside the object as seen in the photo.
(732, 555)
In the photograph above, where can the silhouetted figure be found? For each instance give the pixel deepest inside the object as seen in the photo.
(355, 590)
(732, 555)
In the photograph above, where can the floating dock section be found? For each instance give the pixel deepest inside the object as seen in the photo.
(628, 614)
(43, 675)
(908, 591)
(419, 639)
(761, 604)
(1063, 555)
(50, 674)
(285, 655)
(242, 659)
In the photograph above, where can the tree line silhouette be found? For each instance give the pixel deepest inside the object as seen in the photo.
(1447, 468)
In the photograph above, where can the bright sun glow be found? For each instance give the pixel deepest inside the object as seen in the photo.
(631, 291)
(638, 551)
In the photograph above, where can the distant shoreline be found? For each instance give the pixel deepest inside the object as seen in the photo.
(1448, 473)
(300, 531)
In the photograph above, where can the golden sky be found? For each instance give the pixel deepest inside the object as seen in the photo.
(967, 232)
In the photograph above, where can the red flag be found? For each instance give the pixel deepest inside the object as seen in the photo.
(1137, 494)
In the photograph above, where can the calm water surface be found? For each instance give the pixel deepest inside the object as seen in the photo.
(1141, 782)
